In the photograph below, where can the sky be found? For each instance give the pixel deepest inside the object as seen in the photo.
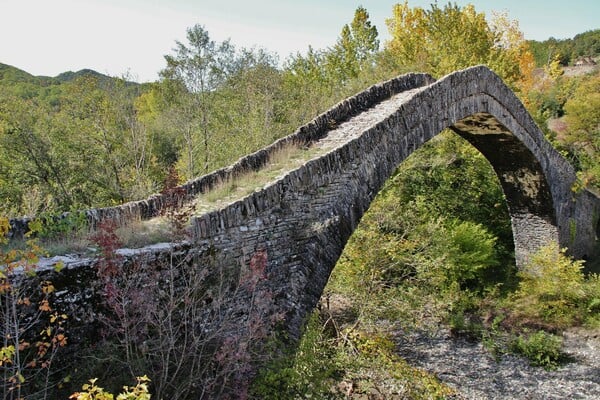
(131, 37)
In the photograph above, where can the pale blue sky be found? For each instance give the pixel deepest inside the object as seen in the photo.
(47, 37)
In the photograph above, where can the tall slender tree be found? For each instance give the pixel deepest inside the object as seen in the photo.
(200, 68)
(354, 49)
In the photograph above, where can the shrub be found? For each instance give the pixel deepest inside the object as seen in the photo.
(56, 225)
(471, 254)
(552, 289)
(541, 348)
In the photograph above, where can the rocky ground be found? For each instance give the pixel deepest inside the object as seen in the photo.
(472, 370)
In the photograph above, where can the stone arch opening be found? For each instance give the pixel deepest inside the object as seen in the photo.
(462, 193)
(527, 192)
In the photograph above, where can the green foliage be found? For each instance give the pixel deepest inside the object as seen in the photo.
(583, 44)
(541, 348)
(463, 317)
(309, 372)
(81, 148)
(583, 127)
(313, 82)
(552, 288)
(51, 225)
(354, 50)
(574, 103)
(583, 116)
(427, 233)
(196, 71)
(471, 255)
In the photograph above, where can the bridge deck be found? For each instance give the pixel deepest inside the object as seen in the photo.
(144, 233)
(277, 168)
(356, 125)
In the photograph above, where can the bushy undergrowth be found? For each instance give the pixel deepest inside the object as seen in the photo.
(344, 361)
(554, 291)
(543, 349)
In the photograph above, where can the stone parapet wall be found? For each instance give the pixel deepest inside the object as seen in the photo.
(155, 204)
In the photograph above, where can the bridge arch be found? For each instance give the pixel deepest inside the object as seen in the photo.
(303, 220)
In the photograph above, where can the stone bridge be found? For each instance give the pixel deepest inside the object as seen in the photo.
(302, 220)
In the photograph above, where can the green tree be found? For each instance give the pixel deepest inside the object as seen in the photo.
(442, 40)
(251, 116)
(315, 81)
(583, 128)
(198, 69)
(554, 69)
(307, 86)
(355, 48)
(583, 110)
(103, 141)
(30, 156)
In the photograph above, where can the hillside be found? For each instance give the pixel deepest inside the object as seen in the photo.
(567, 50)
(10, 74)
(25, 85)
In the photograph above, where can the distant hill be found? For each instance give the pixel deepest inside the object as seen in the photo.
(70, 75)
(23, 84)
(569, 50)
(8, 73)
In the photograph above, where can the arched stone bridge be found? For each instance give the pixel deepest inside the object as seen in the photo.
(303, 220)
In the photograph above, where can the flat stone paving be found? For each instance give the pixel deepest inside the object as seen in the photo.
(355, 126)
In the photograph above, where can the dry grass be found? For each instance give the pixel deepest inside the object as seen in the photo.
(133, 235)
(139, 233)
(280, 163)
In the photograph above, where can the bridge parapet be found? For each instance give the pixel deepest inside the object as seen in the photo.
(312, 131)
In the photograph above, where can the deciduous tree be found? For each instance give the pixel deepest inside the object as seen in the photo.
(200, 68)
(441, 40)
